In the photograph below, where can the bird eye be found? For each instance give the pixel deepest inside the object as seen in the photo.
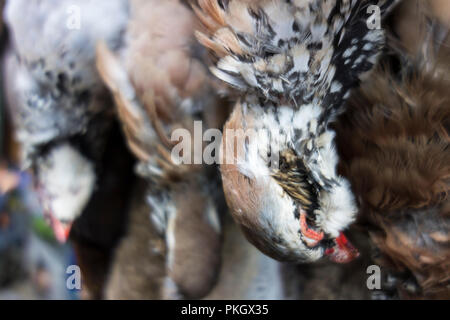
(283, 164)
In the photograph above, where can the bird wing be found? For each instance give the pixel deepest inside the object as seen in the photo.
(136, 125)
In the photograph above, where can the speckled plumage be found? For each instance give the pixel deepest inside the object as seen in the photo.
(60, 108)
(56, 90)
(293, 63)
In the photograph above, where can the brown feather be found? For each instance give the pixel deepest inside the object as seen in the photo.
(160, 83)
(291, 178)
(395, 148)
(138, 266)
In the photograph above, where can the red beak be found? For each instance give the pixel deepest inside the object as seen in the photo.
(61, 230)
(312, 237)
(343, 251)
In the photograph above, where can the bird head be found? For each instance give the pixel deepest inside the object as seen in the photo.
(282, 186)
(293, 64)
(65, 182)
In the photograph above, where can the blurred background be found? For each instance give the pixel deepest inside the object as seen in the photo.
(32, 262)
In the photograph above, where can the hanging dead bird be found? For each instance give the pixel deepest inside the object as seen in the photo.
(65, 122)
(61, 110)
(293, 63)
(160, 84)
(394, 147)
